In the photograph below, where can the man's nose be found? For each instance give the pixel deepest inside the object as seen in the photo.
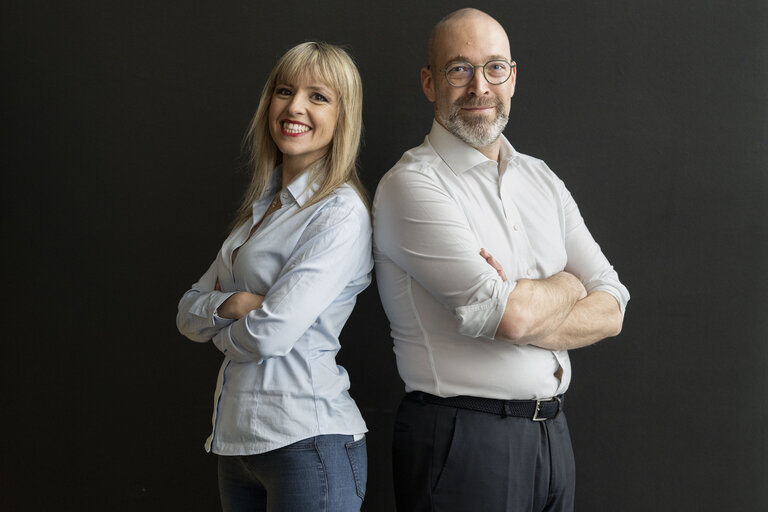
(478, 85)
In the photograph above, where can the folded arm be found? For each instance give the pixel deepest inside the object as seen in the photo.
(239, 304)
(593, 318)
(537, 308)
(573, 321)
(332, 251)
(421, 232)
(196, 318)
(571, 324)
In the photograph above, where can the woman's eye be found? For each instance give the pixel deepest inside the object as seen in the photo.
(319, 97)
(282, 91)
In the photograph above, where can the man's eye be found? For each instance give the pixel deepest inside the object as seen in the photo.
(460, 68)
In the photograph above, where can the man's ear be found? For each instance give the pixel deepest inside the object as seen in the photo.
(428, 84)
(513, 78)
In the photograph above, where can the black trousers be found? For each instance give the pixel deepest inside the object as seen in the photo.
(449, 459)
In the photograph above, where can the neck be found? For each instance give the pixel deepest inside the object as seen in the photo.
(289, 175)
(491, 151)
(292, 168)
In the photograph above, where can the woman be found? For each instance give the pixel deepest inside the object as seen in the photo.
(288, 435)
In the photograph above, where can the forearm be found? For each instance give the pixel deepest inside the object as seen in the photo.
(195, 318)
(536, 308)
(239, 305)
(592, 319)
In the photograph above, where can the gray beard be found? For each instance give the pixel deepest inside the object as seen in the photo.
(477, 132)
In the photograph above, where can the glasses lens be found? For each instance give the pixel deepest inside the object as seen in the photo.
(497, 71)
(459, 73)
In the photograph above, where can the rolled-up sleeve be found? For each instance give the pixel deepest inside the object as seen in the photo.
(585, 258)
(335, 246)
(419, 226)
(196, 318)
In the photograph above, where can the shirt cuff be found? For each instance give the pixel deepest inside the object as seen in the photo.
(482, 319)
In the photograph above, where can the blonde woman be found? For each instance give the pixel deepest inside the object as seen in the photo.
(287, 433)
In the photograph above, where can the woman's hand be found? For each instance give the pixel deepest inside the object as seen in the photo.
(239, 304)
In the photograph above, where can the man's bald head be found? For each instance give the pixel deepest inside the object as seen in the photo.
(475, 111)
(444, 26)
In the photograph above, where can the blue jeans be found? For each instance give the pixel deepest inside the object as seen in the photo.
(323, 473)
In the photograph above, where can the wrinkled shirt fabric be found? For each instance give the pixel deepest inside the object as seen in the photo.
(433, 211)
(279, 382)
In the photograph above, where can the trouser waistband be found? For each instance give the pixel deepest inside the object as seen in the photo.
(541, 409)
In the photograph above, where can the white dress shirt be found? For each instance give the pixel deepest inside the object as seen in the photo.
(279, 382)
(433, 212)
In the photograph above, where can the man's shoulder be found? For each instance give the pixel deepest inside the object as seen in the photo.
(524, 159)
(421, 161)
(532, 166)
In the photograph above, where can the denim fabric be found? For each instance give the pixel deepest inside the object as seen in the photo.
(321, 474)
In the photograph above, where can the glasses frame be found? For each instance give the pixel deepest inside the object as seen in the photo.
(512, 67)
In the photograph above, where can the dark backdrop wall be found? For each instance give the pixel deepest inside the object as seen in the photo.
(122, 167)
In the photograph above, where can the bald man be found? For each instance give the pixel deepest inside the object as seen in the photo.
(489, 276)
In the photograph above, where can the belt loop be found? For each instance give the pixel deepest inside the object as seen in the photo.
(506, 410)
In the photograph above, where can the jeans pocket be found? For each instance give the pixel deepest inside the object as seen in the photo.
(358, 460)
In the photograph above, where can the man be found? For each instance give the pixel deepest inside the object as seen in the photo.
(481, 340)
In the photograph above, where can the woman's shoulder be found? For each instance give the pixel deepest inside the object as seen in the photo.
(342, 206)
(344, 197)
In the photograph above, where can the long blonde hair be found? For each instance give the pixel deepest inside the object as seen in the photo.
(333, 66)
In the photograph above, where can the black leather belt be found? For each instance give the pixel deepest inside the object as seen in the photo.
(542, 409)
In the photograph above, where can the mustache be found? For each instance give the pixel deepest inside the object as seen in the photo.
(478, 102)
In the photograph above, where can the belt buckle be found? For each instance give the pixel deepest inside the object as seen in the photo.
(538, 408)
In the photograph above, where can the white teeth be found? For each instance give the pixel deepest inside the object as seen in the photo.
(294, 128)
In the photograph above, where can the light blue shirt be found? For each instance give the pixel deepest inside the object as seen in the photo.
(279, 382)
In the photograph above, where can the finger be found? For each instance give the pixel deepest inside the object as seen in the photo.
(494, 264)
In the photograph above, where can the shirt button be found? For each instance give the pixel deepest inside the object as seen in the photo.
(284, 196)
(530, 272)
(516, 227)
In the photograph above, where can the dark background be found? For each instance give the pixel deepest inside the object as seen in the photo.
(122, 168)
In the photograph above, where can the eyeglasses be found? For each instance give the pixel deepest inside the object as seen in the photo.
(460, 74)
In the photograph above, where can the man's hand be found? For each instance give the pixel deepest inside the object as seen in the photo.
(495, 264)
(589, 321)
(536, 308)
(500, 270)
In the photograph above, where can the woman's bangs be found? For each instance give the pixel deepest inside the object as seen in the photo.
(310, 67)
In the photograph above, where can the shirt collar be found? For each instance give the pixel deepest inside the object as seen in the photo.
(299, 190)
(459, 155)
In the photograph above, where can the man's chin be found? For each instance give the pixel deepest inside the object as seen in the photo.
(475, 117)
